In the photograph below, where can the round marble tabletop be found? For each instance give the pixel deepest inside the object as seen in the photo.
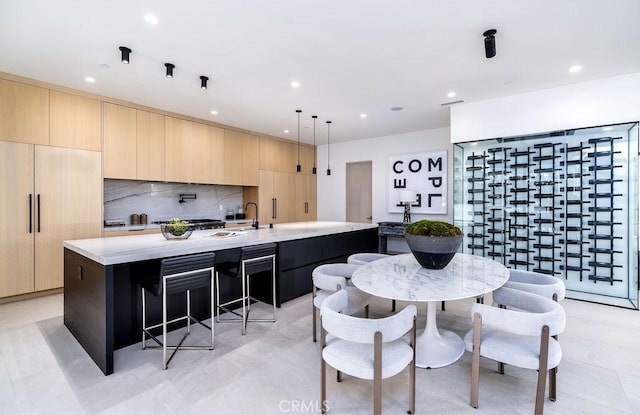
(401, 277)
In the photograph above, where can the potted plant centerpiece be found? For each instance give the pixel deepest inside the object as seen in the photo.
(432, 242)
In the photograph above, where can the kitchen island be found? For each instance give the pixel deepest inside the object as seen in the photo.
(102, 276)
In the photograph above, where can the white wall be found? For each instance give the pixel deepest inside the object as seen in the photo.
(332, 189)
(586, 104)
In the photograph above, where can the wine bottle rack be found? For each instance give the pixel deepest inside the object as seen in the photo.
(549, 207)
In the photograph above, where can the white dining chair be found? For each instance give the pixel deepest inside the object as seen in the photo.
(520, 337)
(329, 278)
(534, 282)
(367, 348)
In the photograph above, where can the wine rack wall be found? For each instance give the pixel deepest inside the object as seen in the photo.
(551, 207)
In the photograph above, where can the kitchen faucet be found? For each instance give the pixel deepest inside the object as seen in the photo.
(254, 224)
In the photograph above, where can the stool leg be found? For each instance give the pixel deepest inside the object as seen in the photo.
(188, 311)
(273, 283)
(212, 312)
(244, 300)
(164, 324)
(144, 321)
(217, 304)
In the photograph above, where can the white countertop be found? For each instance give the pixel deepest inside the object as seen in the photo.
(123, 249)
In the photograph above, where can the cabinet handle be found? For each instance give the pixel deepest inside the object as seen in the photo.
(30, 213)
(38, 211)
(275, 208)
(306, 207)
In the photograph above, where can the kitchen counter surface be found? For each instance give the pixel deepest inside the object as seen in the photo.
(124, 249)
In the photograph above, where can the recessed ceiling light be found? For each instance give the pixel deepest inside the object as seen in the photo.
(90, 79)
(295, 84)
(451, 94)
(607, 128)
(151, 19)
(575, 68)
(363, 115)
(214, 112)
(397, 108)
(286, 131)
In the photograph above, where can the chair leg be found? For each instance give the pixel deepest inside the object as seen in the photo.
(552, 384)
(164, 327)
(377, 373)
(475, 361)
(338, 376)
(244, 301)
(542, 369)
(314, 321)
(323, 384)
(412, 372)
(188, 311)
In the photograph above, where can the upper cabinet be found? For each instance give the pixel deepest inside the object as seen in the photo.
(307, 158)
(240, 158)
(75, 121)
(119, 142)
(24, 113)
(150, 146)
(194, 152)
(277, 155)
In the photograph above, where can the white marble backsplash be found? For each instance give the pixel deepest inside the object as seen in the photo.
(159, 200)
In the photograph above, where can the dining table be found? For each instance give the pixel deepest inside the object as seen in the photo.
(402, 278)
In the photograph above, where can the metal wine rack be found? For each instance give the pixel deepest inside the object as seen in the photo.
(546, 207)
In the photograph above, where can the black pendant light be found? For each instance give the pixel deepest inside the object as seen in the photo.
(328, 148)
(298, 167)
(124, 54)
(314, 170)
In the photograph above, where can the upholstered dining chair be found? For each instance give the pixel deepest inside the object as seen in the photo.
(362, 258)
(521, 337)
(367, 348)
(534, 282)
(329, 278)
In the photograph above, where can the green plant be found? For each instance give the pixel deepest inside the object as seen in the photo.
(176, 227)
(432, 228)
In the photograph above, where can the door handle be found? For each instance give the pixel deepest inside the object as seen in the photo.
(306, 207)
(38, 211)
(30, 213)
(273, 208)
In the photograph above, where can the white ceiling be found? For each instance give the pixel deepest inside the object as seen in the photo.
(350, 56)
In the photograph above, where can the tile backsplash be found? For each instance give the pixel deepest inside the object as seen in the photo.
(159, 200)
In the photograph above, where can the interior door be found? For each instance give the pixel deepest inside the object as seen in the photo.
(68, 183)
(359, 200)
(16, 218)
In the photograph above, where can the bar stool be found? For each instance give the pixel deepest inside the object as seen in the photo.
(178, 275)
(253, 260)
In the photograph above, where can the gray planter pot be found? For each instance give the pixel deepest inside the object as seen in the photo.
(433, 252)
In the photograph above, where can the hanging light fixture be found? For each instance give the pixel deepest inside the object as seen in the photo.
(169, 67)
(298, 167)
(328, 148)
(124, 54)
(314, 170)
(203, 81)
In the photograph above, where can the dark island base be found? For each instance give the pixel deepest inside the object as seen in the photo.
(102, 306)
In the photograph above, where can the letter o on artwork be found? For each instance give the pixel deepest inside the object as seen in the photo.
(412, 167)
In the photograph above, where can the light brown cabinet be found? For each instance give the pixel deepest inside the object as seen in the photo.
(194, 152)
(275, 195)
(305, 205)
(150, 146)
(24, 113)
(240, 158)
(54, 194)
(75, 121)
(307, 158)
(277, 155)
(120, 148)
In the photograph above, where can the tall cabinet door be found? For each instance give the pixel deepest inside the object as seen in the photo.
(283, 187)
(305, 198)
(68, 184)
(16, 214)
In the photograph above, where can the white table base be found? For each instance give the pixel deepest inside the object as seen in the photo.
(437, 348)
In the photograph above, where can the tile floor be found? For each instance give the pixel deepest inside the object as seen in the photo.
(274, 369)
